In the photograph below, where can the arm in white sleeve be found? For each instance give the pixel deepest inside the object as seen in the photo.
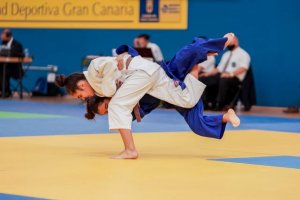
(244, 61)
(157, 53)
(103, 73)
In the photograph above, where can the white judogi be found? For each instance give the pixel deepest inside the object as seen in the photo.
(102, 74)
(157, 54)
(209, 64)
(143, 77)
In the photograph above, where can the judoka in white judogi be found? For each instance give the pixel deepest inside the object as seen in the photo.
(139, 77)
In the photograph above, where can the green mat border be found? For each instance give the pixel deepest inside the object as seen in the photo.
(21, 115)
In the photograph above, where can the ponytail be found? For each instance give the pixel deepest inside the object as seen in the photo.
(69, 82)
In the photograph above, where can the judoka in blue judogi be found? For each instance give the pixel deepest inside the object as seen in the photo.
(177, 69)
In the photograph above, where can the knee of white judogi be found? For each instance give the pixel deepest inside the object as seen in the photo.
(187, 99)
(117, 106)
(190, 103)
(195, 89)
(119, 116)
(115, 109)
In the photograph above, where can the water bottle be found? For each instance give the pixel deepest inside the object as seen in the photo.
(26, 52)
(239, 106)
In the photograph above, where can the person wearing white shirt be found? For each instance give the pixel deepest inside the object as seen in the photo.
(208, 65)
(142, 41)
(223, 82)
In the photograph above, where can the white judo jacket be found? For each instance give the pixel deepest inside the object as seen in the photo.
(102, 74)
(141, 77)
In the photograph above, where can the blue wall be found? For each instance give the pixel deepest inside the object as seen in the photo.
(268, 29)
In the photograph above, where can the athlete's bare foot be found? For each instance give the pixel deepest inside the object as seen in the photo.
(232, 118)
(126, 154)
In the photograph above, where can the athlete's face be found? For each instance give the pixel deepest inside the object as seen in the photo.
(83, 91)
(143, 42)
(4, 35)
(103, 107)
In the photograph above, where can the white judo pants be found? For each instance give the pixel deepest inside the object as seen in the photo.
(158, 85)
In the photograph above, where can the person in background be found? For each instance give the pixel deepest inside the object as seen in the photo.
(15, 49)
(208, 65)
(206, 68)
(223, 81)
(143, 41)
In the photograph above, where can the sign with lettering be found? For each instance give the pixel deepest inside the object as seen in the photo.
(96, 14)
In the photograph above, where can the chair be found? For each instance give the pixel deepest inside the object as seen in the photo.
(19, 87)
(246, 92)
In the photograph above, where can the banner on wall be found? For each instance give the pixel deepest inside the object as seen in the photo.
(97, 14)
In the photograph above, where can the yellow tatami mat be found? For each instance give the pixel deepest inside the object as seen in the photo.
(171, 166)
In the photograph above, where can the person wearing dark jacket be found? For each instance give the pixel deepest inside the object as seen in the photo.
(12, 70)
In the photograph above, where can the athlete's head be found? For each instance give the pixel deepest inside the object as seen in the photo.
(96, 105)
(234, 44)
(6, 35)
(76, 85)
(143, 40)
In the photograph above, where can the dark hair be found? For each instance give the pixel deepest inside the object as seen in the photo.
(7, 32)
(145, 36)
(92, 104)
(69, 82)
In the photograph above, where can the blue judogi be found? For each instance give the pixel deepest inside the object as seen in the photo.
(147, 104)
(207, 126)
(179, 66)
(190, 55)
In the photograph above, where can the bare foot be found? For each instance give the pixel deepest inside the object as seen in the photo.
(232, 118)
(126, 154)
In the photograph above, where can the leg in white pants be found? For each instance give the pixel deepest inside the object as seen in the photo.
(159, 85)
(127, 96)
(165, 90)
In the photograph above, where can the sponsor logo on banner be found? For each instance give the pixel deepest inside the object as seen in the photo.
(171, 8)
(149, 10)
